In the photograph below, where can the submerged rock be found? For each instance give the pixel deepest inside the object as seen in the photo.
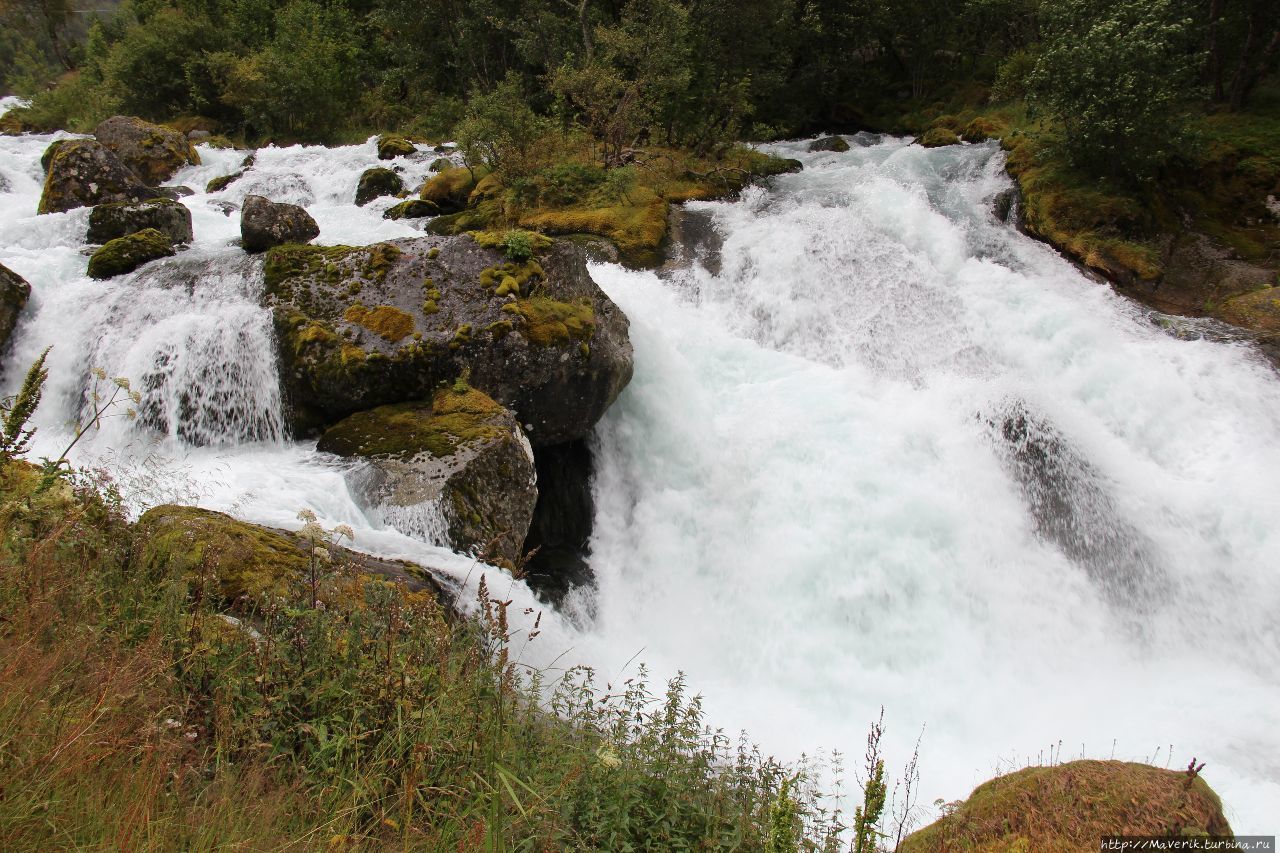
(14, 293)
(459, 462)
(360, 327)
(153, 152)
(1071, 806)
(830, 143)
(119, 219)
(265, 223)
(83, 172)
(375, 183)
(126, 254)
(392, 145)
(250, 566)
(414, 208)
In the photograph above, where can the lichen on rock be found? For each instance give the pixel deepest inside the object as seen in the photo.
(264, 223)
(375, 183)
(153, 152)
(83, 173)
(118, 219)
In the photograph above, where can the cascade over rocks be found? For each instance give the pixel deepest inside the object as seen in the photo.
(83, 173)
(375, 183)
(14, 293)
(119, 219)
(459, 462)
(265, 223)
(359, 327)
(153, 152)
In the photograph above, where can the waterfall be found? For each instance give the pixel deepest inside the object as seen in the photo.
(880, 449)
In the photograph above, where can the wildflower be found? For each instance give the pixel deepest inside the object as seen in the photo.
(99, 373)
(172, 723)
(607, 757)
(191, 734)
(121, 382)
(307, 515)
(345, 530)
(135, 396)
(313, 531)
(321, 554)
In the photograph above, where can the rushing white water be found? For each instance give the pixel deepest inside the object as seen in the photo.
(891, 453)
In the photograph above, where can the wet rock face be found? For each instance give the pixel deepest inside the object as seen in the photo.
(126, 254)
(264, 223)
(109, 221)
(375, 183)
(14, 293)
(83, 173)
(456, 469)
(360, 327)
(560, 534)
(153, 152)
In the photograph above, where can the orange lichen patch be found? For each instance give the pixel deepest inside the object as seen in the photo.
(386, 321)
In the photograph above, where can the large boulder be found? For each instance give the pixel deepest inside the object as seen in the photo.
(375, 183)
(457, 470)
(450, 190)
(126, 254)
(153, 152)
(249, 567)
(119, 219)
(83, 172)
(360, 327)
(1069, 807)
(265, 223)
(392, 145)
(413, 208)
(830, 143)
(14, 293)
(1259, 310)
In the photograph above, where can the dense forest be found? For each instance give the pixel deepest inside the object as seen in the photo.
(1120, 76)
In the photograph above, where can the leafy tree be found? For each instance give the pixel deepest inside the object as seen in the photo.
(500, 129)
(1115, 75)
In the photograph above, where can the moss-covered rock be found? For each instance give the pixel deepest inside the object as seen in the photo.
(249, 566)
(440, 164)
(450, 190)
(265, 223)
(119, 219)
(14, 293)
(361, 327)
(830, 143)
(939, 137)
(153, 152)
(49, 153)
(457, 468)
(414, 208)
(980, 130)
(392, 145)
(1259, 310)
(126, 254)
(1069, 807)
(83, 172)
(220, 183)
(375, 183)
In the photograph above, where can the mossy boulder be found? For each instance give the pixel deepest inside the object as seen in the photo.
(830, 143)
(265, 223)
(49, 153)
(1259, 310)
(248, 566)
(119, 219)
(939, 137)
(1069, 807)
(440, 164)
(392, 145)
(456, 469)
(414, 208)
(220, 183)
(450, 190)
(375, 183)
(14, 293)
(361, 327)
(980, 130)
(153, 152)
(83, 172)
(126, 254)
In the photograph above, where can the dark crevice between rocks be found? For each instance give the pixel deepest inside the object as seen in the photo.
(562, 517)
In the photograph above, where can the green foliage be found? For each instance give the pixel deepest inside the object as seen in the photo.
(784, 821)
(16, 412)
(500, 129)
(1116, 77)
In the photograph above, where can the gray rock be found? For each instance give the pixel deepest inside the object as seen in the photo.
(456, 470)
(83, 172)
(14, 293)
(375, 183)
(153, 152)
(109, 221)
(264, 223)
(364, 327)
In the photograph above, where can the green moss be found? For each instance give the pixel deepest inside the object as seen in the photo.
(452, 186)
(414, 208)
(461, 336)
(548, 322)
(517, 245)
(391, 145)
(512, 278)
(221, 183)
(386, 321)
(456, 416)
(938, 137)
(433, 253)
(126, 254)
(292, 260)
